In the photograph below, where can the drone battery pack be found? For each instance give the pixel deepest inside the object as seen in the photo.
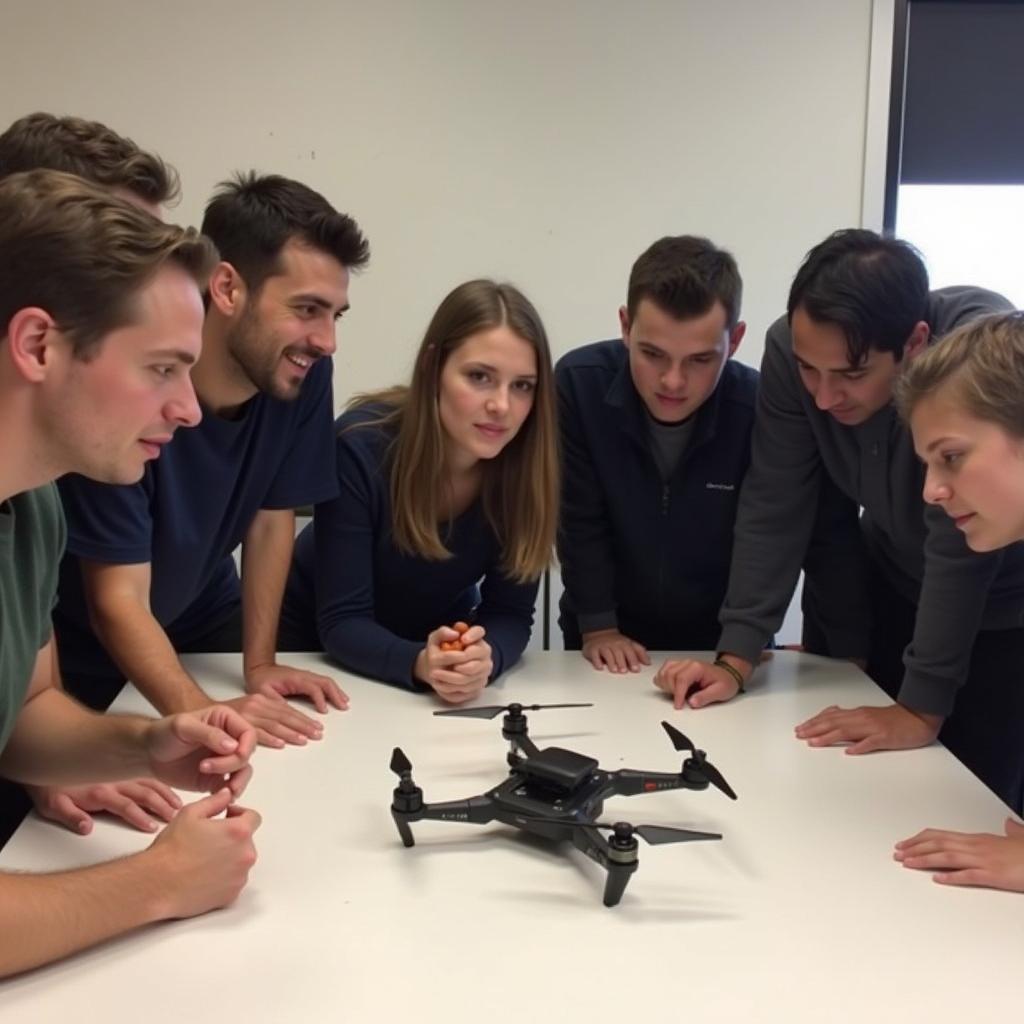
(557, 768)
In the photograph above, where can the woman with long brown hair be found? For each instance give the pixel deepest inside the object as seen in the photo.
(447, 511)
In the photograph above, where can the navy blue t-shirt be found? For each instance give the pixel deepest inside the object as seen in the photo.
(192, 508)
(353, 593)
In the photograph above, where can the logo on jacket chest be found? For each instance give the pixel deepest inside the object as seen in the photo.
(712, 486)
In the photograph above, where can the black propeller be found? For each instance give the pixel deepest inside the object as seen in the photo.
(400, 764)
(656, 835)
(493, 710)
(702, 764)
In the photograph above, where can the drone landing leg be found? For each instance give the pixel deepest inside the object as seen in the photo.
(403, 830)
(618, 877)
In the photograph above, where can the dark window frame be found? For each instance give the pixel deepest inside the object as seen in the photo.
(897, 103)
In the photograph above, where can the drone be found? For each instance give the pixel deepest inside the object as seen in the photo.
(559, 794)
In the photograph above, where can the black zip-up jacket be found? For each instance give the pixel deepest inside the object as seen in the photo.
(647, 556)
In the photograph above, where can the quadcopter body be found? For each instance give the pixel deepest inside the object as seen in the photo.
(559, 794)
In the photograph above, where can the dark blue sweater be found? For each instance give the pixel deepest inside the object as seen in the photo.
(352, 593)
(655, 553)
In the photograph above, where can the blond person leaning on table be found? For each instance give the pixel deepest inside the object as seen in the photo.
(964, 400)
(101, 314)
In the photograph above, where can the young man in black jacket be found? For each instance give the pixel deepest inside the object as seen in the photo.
(655, 432)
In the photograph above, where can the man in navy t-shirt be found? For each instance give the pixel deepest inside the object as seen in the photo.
(149, 571)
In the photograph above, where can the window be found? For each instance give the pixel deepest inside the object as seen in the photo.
(955, 165)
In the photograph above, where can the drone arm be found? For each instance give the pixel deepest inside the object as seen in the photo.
(524, 745)
(592, 843)
(477, 809)
(629, 782)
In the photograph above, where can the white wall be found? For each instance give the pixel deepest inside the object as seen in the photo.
(543, 142)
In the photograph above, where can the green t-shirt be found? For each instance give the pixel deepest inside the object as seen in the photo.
(31, 544)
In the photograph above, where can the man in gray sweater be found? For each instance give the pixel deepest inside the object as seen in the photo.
(943, 616)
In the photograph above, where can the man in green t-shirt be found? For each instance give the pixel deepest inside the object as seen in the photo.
(98, 154)
(100, 320)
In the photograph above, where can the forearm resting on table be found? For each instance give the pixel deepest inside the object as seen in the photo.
(46, 917)
(58, 742)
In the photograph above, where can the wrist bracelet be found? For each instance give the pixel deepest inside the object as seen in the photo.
(720, 662)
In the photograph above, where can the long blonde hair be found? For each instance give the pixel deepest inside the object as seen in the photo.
(519, 489)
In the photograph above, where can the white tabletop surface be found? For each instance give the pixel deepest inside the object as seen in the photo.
(798, 914)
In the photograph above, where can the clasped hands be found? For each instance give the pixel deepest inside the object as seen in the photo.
(456, 662)
(204, 750)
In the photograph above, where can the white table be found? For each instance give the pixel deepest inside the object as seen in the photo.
(798, 914)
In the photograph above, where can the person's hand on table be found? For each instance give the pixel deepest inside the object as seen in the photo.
(203, 861)
(456, 662)
(203, 750)
(698, 683)
(964, 858)
(142, 803)
(870, 728)
(275, 720)
(612, 650)
(282, 681)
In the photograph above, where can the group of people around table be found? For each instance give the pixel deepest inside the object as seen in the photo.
(166, 399)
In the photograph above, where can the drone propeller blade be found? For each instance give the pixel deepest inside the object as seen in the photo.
(658, 834)
(493, 710)
(655, 834)
(715, 777)
(399, 762)
(704, 766)
(679, 741)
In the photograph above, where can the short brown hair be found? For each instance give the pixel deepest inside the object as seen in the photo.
(252, 217)
(80, 253)
(684, 275)
(979, 365)
(89, 149)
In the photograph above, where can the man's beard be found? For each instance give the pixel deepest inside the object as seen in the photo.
(257, 356)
